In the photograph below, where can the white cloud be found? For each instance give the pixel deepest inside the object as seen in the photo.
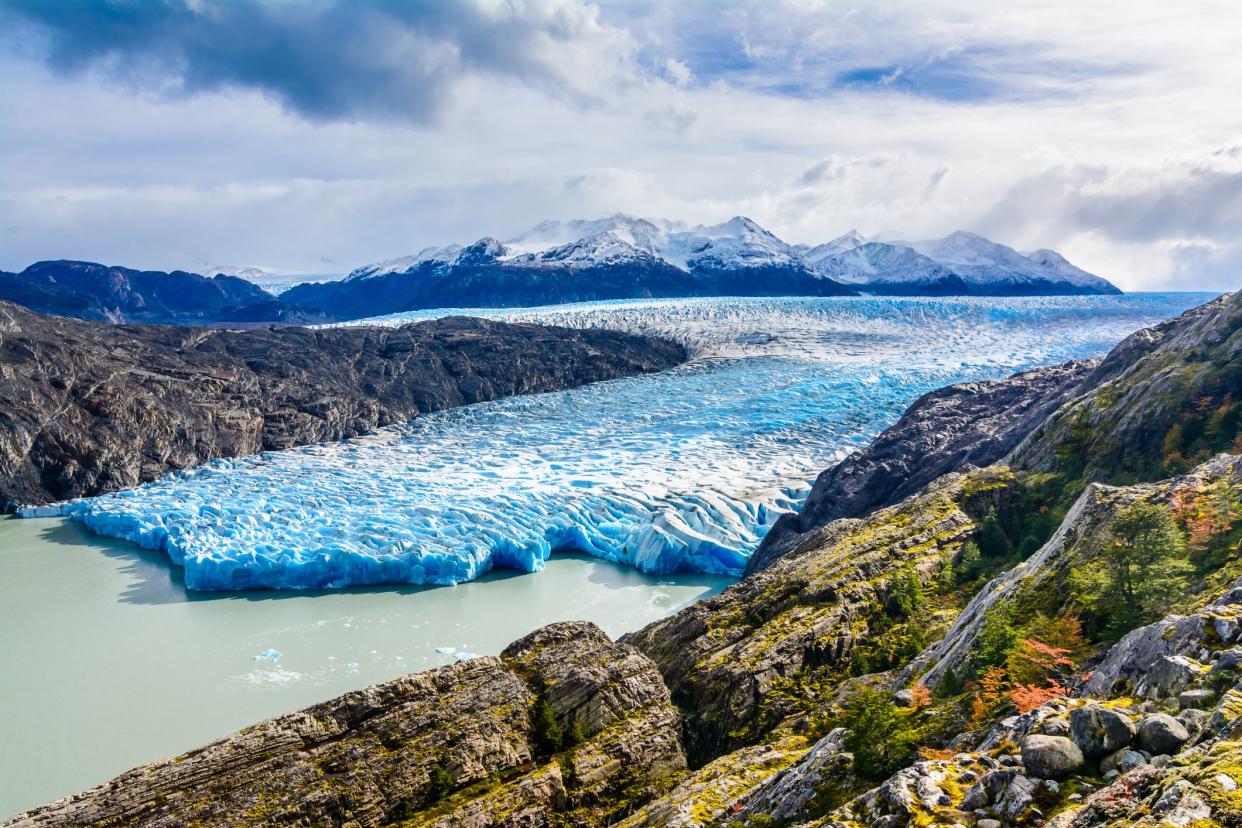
(1107, 132)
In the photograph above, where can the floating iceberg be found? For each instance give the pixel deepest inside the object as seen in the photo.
(683, 471)
(269, 655)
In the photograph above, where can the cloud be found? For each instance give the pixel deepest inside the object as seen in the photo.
(322, 135)
(333, 59)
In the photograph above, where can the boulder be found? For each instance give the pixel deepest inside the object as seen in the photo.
(1051, 757)
(1161, 733)
(1199, 699)
(1123, 761)
(1194, 719)
(1230, 659)
(1099, 731)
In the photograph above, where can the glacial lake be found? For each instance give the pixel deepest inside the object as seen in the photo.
(109, 661)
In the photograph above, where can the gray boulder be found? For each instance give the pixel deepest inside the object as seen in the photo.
(1230, 659)
(1161, 733)
(1123, 761)
(1099, 731)
(1051, 757)
(1194, 719)
(1201, 699)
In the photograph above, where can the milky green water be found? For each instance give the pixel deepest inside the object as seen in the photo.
(107, 663)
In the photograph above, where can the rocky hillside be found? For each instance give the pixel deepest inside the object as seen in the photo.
(974, 423)
(87, 408)
(1165, 398)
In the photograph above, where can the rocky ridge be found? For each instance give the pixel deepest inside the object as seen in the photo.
(87, 408)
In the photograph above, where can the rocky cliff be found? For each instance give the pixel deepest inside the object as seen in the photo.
(87, 408)
(971, 424)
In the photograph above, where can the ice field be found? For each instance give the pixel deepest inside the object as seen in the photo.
(682, 471)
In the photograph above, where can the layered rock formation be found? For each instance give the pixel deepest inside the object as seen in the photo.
(729, 659)
(87, 408)
(452, 746)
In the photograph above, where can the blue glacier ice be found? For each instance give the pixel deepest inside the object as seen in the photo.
(681, 471)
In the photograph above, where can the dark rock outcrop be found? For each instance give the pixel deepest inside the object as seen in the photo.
(372, 757)
(87, 290)
(1117, 430)
(87, 408)
(974, 423)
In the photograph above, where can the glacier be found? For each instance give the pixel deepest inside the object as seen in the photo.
(680, 471)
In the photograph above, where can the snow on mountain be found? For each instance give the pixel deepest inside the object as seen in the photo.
(736, 243)
(987, 266)
(837, 246)
(729, 256)
(641, 233)
(1076, 276)
(890, 268)
(249, 273)
(598, 250)
(403, 264)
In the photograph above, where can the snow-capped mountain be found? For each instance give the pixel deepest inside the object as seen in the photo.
(894, 269)
(1067, 272)
(626, 257)
(404, 264)
(991, 268)
(841, 244)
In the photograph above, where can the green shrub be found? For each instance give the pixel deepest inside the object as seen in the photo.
(549, 738)
(1140, 569)
(905, 596)
(879, 738)
(439, 783)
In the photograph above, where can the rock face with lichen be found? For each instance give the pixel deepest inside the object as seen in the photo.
(728, 660)
(88, 408)
(371, 757)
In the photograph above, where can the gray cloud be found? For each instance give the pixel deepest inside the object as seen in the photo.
(329, 60)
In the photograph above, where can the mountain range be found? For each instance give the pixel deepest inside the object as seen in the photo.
(617, 257)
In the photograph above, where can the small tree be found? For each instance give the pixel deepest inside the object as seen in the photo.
(905, 595)
(998, 636)
(1141, 567)
(439, 783)
(548, 734)
(877, 738)
(990, 695)
(992, 540)
(968, 564)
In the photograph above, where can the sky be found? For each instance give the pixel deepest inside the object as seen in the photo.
(314, 136)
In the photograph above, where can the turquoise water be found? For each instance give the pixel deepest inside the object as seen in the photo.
(109, 663)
